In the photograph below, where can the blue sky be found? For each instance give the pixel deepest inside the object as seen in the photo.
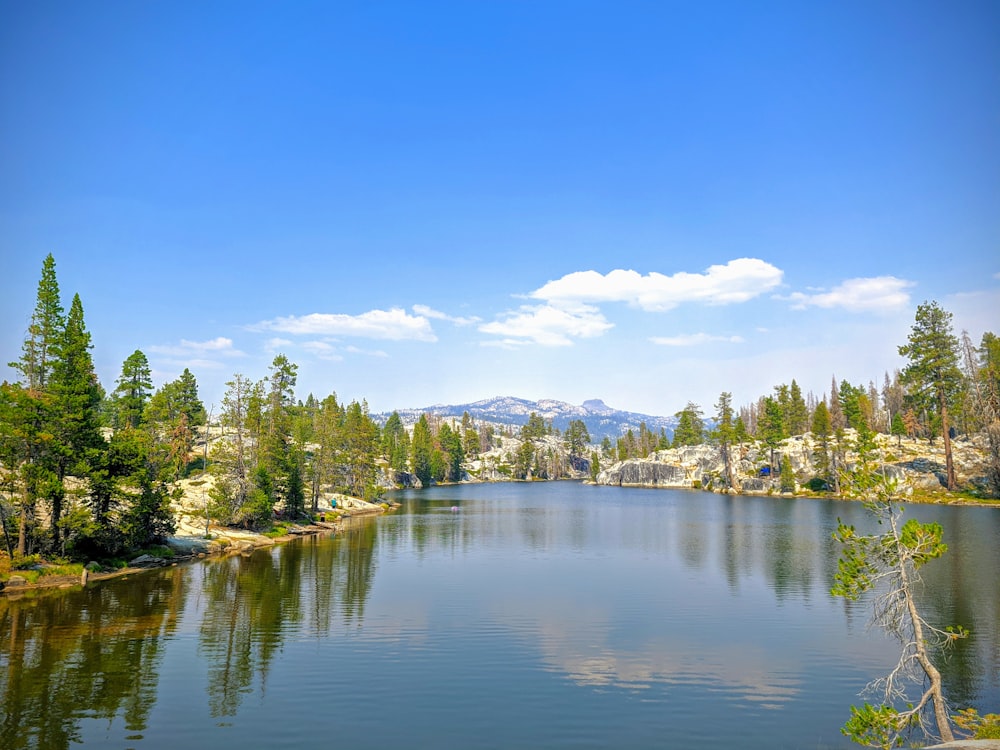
(433, 202)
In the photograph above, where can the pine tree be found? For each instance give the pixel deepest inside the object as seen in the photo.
(690, 428)
(422, 448)
(135, 385)
(797, 415)
(770, 425)
(821, 433)
(932, 372)
(725, 433)
(32, 407)
(77, 402)
(43, 343)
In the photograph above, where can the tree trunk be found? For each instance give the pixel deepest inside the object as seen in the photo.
(951, 483)
(933, 675)
(22, 532)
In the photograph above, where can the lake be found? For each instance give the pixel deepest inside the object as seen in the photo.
(544, 615)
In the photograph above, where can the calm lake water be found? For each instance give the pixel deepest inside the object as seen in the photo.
(547, 615)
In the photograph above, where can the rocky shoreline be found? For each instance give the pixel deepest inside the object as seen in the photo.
(190, 545)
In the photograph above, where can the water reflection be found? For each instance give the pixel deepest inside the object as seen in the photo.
(84, 654)
(254, 602)
(544, 598)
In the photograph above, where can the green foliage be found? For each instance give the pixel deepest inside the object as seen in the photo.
(874, 726)
(577, 436)
(690, 428)
(534, 428)
(134, 388)
(787, 475)
(932, 373)
(985, 727)
(889, 563)
(422, 447)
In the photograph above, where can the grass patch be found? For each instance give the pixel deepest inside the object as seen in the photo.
(156, 550)
(277, 529)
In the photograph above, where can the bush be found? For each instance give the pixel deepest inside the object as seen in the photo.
(27, 562)
(818, 484)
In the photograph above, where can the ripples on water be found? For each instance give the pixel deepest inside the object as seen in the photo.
(533, 616)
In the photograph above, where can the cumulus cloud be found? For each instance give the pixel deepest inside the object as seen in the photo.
(738, 280)
(548, 325)
(221, 347)
(694, 339)
(875, 294)
(430, 312)
(394, 324)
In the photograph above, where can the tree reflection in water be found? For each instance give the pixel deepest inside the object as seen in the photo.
(94, 653)
(254, 601)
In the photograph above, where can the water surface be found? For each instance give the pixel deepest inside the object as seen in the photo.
(546, 615)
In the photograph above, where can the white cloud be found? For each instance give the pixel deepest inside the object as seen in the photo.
(738, 280)
(548, 325)
(430, 312)
(273, 345)
(322, 350)
(876, 294)
(693, 339)
(394, 324)
(366, 352)
(220, 346)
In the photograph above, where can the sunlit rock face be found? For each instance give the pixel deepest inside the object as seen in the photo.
(915, 464)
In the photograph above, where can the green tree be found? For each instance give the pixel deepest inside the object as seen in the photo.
(932, 351)
(395, 443)
(358, 450)
(135, 385)
(76, 414)
(453, 450)
(577, 437)
(821, 434)
(889, 563)
(771, 426)
(422, 447)
(898, 428)
(787, 474)
(724, 434)
(534, 428)
(43, 343)
(171, 415)
(797, 414)
(233, 458)
(690, 428)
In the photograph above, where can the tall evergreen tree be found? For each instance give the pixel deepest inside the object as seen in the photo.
(770, 426)
(690, 428)
(135, 385)
(725, 432)
(797, 416)
(932, 351)
(422, 448)
(77, 401)
(43, 343)
(821, 434)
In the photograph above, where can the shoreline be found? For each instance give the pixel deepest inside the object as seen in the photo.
(188, 549)
(227, 542)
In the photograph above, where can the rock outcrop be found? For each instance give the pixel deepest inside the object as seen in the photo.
(918, 464)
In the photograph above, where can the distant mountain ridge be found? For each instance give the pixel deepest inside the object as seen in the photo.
(600, 418)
